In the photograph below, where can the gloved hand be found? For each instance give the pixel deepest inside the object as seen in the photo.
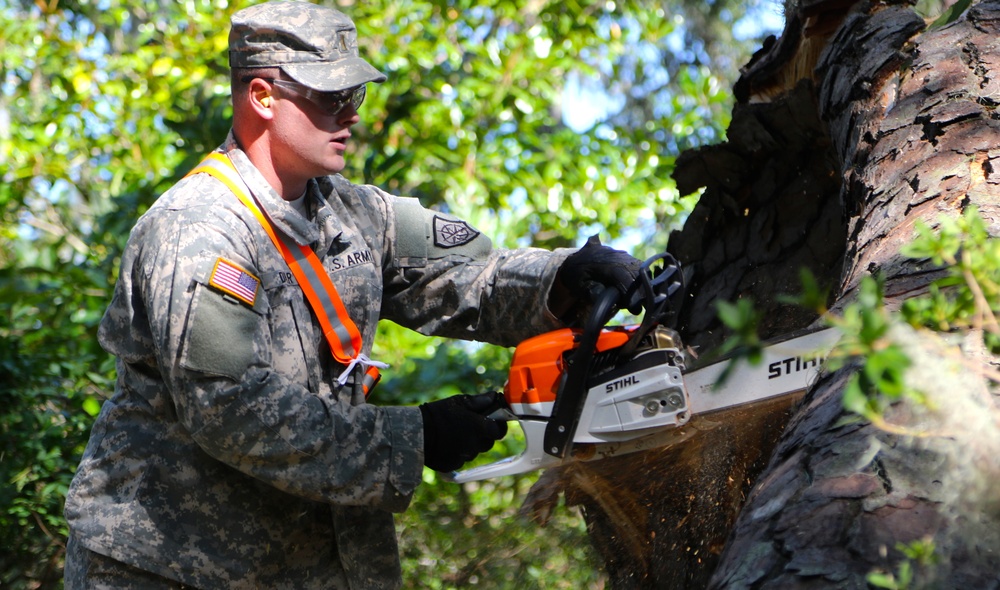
(594, 267)
(456, 429)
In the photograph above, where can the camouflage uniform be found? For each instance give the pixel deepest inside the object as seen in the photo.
(229, 457)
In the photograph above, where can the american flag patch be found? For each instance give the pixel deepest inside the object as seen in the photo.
(230, 278)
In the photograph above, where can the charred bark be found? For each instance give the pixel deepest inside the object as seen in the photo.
(770, 209)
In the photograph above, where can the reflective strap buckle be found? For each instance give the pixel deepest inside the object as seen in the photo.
(370, 380)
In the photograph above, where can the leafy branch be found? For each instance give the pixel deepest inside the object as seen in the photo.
(919, 552)
(968, 298)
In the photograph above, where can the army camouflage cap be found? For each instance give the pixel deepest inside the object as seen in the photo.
(315, 45)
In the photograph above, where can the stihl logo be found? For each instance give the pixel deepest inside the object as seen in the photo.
(621, 384)
(790, 365)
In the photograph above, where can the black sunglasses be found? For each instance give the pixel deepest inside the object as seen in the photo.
(330, 103)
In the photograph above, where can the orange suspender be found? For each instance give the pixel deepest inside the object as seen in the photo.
(338, 328)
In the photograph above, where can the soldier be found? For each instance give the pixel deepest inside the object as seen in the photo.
(238, 450)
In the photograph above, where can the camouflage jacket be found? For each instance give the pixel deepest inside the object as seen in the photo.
(228, 456)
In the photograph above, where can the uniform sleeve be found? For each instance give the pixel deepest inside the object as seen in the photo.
(443, 277)
(214, 349)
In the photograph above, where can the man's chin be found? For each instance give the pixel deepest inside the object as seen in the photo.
(334, 167)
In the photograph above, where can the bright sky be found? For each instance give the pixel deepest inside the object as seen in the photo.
(584, 106)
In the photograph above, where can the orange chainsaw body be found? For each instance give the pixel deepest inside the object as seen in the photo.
(537, 366)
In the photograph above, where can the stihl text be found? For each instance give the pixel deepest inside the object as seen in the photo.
(621, 383)
(790, 365)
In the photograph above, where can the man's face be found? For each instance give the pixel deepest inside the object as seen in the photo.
(310, 129)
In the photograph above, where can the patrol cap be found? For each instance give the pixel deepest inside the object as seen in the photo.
(315, 45)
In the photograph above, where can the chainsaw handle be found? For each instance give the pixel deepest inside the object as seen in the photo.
(652, 290)
(605, 307)
(573, 384)
(656, 292)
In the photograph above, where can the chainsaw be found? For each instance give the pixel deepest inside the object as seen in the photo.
(601, 391)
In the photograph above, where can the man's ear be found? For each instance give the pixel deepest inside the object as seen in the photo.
(261, 99)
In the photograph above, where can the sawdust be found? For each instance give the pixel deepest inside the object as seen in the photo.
(668, 509)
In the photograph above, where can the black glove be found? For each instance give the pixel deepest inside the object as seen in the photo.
(594, 267)
(456, 429)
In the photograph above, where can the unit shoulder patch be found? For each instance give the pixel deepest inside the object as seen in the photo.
(451, 233)
(232, 279)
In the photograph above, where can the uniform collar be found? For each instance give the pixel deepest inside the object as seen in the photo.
(282, 214)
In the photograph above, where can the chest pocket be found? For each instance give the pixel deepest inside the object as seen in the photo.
(356, 275)
(293, 331)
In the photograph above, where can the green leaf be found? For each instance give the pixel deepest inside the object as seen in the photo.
(951, 14)
(91, 406)
(854, 399)
(880, 580)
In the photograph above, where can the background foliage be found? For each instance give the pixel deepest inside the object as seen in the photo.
(541, 122)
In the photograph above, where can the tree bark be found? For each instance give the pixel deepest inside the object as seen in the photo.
(854, 124)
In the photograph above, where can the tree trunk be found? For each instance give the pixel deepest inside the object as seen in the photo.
(912, 117)
(854, 124)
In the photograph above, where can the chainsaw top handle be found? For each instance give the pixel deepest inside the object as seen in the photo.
(573, 384)
(657, 292)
